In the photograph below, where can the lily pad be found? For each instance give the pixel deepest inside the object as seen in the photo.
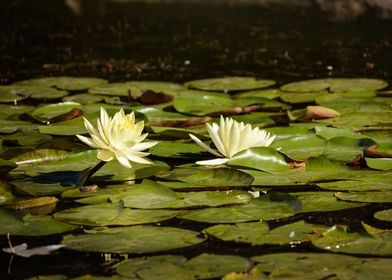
(6, 195)
(30, 225)
(379, 163)
(297, 266)
(173, 149)
(261, 158)
(356, 186)
(229, 84)
(6, 166)
(339, 239)
(211, 176)
(46, 113)
(385, 215)
(335, 85)
(204, 266)
(262, 208)
(112, 214)
(368, 197)
(259, 233)
(65, 83)
(132, 240)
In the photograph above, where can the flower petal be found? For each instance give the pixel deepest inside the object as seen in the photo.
(204, 146)
(123, 160)
(87, 141)
(213, 131)
(105, 155)
(217, 161)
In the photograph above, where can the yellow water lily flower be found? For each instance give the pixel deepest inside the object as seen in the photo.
(118, 137)
(230, 138)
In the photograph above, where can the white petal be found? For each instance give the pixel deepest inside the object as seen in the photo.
(123, 160)
(143, 146)
(217, 161)
(137, 159)
(98, 140)
(213, 131)
(90, 128)
(204, 146)
(87, 141)
(234, 140)
(105, 155)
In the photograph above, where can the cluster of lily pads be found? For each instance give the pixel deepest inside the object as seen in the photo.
(328, 150)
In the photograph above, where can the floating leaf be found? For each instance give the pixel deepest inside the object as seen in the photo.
(111, 214)
(132, 240)
(335, 85)
(33, 202)
(66, 83)
(379, 163)
(368, 197)
(30, 225)
(6, 166)
(47, 113)
(155, 268)
(385, 215)
(262, 158)
(229, 84)
(263, 208)
(356, 186)
(6, 195)
(338, 239)
(204, 266)
(259, 233)
(175, 149)
(211, 176)
(308, 265)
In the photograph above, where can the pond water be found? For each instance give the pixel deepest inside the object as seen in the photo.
(334, 171)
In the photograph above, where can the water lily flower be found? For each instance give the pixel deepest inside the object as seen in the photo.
(230, 138)
(118, 138)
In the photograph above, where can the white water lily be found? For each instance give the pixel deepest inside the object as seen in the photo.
(118, 138)
(230, 138)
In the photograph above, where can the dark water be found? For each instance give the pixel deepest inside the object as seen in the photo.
(180, 42)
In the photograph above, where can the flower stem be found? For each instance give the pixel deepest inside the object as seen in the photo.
(92, 171)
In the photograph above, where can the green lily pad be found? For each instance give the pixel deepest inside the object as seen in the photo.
(263, 208)
(66, 128)
(301, 147)
(385, 215)
(40, 155)
(155, 268)
(45, 113)
(338, 239)
(15, 93)
(322, 202)
(367, 197)
(207, 103)
(10, 126)
(112, 214)
(335, 85)
(297, 266)
(379, 163)
(136, 88)
(132, 240)
(26, 138)
(264, 93)
(211, 176)
(6, 195)
(65, 83)
(6, 166)
(261, 158)
(259, 233)
(356, 186)
(30, 225)
(84, 98)
(330, 132)
(204, 266)
(41, 187)
(229, 84)
(152, 195)
(23, 203)
(173, 149)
